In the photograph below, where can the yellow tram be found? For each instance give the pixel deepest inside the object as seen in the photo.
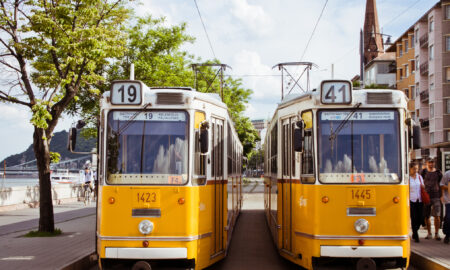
(336, 176)
(169, 176)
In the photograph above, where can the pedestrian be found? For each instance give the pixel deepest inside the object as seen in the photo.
(445, 186)
(415, 199)
(431, 178)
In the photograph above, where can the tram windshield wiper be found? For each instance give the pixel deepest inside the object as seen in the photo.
(131, 120)
(342, 124)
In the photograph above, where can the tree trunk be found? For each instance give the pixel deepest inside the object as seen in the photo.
(42, 153)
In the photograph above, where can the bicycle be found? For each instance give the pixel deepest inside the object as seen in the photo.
(87, 193)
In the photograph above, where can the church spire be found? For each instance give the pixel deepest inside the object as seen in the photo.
(373, 42)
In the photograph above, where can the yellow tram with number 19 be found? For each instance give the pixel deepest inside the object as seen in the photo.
(336, 176)
(169, 175)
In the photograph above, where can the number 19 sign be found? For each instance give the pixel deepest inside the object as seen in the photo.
(336, 92)
(126, 93)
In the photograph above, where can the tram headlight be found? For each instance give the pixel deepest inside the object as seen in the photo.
(361, 225)
(146, 226)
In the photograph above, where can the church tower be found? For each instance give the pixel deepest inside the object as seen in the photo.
(373, 41)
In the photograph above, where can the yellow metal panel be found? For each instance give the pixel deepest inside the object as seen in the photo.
(198, 118)
(307, 119)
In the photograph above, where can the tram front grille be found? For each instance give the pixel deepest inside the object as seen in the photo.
(379, 98)
(169, 98)
(148, 212)
(361, 211)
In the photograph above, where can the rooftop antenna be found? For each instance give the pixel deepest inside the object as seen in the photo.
(219, 72)
(307, 66)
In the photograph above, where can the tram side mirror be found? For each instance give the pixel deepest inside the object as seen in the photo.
(416, 137)
(203, 141)
(72, 139)
(298, 139)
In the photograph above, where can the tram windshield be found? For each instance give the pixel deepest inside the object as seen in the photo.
(147, 147)
(362, 148)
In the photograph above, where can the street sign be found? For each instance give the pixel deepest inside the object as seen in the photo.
(445, 161)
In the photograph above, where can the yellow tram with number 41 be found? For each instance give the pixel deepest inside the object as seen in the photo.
(169, 171)
(336, 176)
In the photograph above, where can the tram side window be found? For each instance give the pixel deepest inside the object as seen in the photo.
(307, 168)
(273, 158)
(221, 144)
(229, 153)
(200, 160)
(292, 152)
(213, 150)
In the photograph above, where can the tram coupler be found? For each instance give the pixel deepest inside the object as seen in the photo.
(366, 264)
(141, 265)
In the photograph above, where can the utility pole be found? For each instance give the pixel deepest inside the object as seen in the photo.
(220, 70)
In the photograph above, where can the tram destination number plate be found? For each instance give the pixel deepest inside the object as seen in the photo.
(361, 196)
(145, 198)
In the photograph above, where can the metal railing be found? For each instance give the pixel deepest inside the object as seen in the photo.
(423, 40)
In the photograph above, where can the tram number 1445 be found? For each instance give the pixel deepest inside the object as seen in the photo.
(364, 194)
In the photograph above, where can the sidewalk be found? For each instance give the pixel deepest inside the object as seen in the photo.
(77, 241)
(430, 254)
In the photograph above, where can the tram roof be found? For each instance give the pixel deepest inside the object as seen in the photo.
(358, 95)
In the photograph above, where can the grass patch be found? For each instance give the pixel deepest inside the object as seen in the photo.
(43, 234)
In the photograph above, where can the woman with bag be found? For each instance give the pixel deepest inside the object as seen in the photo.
(415, 197)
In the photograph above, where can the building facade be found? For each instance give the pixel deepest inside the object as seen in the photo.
(381, 71)
(404, 49)
(432, 82)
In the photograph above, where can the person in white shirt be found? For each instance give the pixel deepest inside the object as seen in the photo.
(415, 203)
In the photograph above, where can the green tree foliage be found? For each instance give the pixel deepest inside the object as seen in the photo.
(155, 51)
(52, 51)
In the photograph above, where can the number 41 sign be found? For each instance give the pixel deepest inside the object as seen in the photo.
(336, 92)
(126, 92)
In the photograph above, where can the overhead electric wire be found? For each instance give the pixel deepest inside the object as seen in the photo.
(314, 30)
(401, 13)
(204, 28)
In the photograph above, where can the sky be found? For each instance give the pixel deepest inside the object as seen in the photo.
(252, 36)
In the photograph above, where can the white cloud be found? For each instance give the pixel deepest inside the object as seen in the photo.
(252, 16)
(248, 63)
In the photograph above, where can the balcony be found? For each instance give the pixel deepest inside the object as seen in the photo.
(423, 41)
(424, 96)
(424, 123)
(424, 69)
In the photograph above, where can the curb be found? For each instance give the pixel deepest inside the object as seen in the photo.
(422, 262)
(85, 262)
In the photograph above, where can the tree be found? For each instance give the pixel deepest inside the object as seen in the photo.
(51, 51)
(155, 51)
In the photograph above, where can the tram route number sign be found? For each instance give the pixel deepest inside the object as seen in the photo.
(126, 93)
(336, 92)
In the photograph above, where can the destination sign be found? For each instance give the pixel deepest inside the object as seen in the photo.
(150, 116)
(371, 116)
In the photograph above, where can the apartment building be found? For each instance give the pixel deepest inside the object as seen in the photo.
(404, 49)
(432, 80)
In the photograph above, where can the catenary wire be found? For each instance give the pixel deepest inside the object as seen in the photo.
(204, 28)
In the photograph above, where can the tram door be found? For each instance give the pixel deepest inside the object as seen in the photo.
(286, 142)
(217, 174)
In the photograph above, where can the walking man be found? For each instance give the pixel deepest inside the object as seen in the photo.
(432, 178)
